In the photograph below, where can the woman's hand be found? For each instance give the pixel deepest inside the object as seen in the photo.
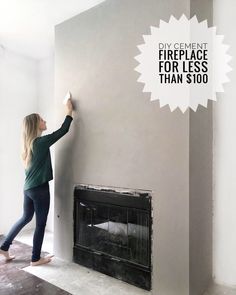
(69, 107)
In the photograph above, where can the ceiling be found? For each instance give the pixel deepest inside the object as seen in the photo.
(27, 26)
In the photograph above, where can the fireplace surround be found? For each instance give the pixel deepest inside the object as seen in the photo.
(113, 232)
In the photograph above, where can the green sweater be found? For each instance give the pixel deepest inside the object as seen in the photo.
(40, 168)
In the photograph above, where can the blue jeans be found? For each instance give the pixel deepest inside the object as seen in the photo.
(36, 200)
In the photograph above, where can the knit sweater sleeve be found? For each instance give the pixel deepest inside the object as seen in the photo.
(50, 139)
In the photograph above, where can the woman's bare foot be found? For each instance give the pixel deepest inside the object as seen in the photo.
(6, 255)
(49, 256)
(41, 261)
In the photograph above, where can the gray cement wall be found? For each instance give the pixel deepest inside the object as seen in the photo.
(118, 137)
(200, 181)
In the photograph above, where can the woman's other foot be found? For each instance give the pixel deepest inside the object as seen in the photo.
(6, 255)
(41, 261)
(49, 256)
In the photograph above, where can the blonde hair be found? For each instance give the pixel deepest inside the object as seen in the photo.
(29, 133)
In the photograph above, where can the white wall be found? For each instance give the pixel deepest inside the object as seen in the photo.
(224, 237)
(26, 86)
(18, 97)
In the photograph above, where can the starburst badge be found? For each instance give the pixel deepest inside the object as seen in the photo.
(183, 63)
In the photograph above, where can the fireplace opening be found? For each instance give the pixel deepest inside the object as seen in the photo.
(112, 232)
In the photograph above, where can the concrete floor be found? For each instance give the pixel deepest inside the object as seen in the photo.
(72, 277)
(75, 278)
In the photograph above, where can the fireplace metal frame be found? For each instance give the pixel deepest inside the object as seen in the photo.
(128, 271)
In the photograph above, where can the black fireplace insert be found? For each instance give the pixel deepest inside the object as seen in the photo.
(112, 232)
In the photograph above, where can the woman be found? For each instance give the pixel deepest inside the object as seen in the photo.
(38, 170)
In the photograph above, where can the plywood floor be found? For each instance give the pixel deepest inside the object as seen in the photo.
(14, 280)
